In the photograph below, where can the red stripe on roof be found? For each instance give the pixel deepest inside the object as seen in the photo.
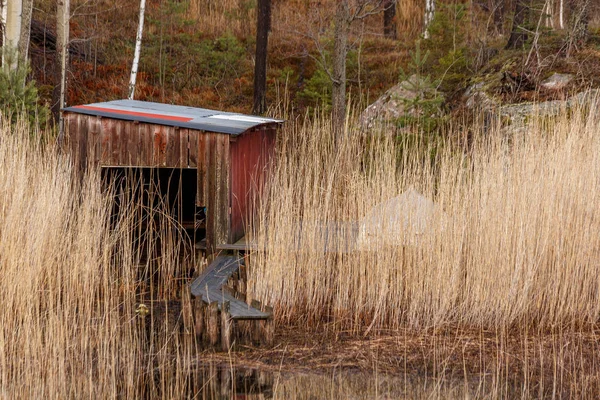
(136, 114)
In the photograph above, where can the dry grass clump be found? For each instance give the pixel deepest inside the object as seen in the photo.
(514, 241)
(70, 285)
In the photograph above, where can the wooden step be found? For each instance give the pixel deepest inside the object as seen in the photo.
(209, 286)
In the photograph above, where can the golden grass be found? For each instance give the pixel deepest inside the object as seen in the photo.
(516, 244)
(68, 327)
(504, 292)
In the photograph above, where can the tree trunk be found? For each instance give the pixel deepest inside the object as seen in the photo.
(518, 36)
(13, 30)
(498, 14)
(389, 19)
(263, 26)
(561, 14)
(549, 13)
(138, 49)
(25, 31)
(4, 18)
(340, 50)
(62, 61)
(580, 20)
(429, 14)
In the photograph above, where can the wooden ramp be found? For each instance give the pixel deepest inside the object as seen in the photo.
(210, 287)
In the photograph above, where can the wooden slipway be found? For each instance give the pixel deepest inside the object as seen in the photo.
(209, 287)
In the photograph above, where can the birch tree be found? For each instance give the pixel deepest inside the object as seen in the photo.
(561, 14)
(62, 61)
(138, 49)
(4, 16)
(429, 14)
(12, 31)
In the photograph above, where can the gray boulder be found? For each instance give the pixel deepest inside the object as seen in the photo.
(557, 81)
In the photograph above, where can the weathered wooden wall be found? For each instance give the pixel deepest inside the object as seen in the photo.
(250, 157)
(213, 187)
(230, 169)
(113, 142)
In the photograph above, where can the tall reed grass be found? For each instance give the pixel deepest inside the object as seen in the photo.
(515, 241)
(71, 280)
(514, 246)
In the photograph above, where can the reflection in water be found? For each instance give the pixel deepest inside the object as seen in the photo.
(222, 381)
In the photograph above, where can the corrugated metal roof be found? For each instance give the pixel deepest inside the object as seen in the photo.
(172, 115)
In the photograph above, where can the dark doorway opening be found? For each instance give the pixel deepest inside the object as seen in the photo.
(170, 190)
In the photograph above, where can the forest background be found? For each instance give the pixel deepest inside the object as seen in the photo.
(203, 52)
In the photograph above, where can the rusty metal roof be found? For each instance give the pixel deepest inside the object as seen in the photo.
(173, 115)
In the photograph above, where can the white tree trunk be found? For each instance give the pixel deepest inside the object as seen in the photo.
(4, 16)
(62, 53)
(13, 29)
(561, 19)
(549, 14)
(429, 13)
(138, 48)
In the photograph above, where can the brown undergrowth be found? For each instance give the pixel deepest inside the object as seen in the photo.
(509, 363)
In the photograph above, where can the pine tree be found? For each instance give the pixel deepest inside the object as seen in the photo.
(18, 95)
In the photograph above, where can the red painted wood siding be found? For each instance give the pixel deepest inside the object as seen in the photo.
(251, 154)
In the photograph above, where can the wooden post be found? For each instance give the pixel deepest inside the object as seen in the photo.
(213, 323)
(199, 322)
(186, 310)
(256, 324)
(226, 323)
(268, 327)
(226, 382)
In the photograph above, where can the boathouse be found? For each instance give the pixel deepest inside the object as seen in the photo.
(223, 157)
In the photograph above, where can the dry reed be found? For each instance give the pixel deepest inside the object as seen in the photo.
(515, 242)
(515, 247)
(70, 285)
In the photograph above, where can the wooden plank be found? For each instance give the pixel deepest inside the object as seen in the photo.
(200, 140)
(217, 190)
(224, 200)
(216, 274)
(184, 161)
(95, 144)
(174, 148)
(143, 135)
(113, 131)
(210, 191)
(209, 286)
(73, 142)
(105, 139)
(195, 153)
(160, 145)
(82, 136)
(132, 156)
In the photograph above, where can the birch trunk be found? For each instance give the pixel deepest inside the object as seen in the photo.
(13, 29)
(138, 49)
(561, 14)
(429, 14)
(549, 13)
(62, 61)
(4, 17)
(25, 30)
